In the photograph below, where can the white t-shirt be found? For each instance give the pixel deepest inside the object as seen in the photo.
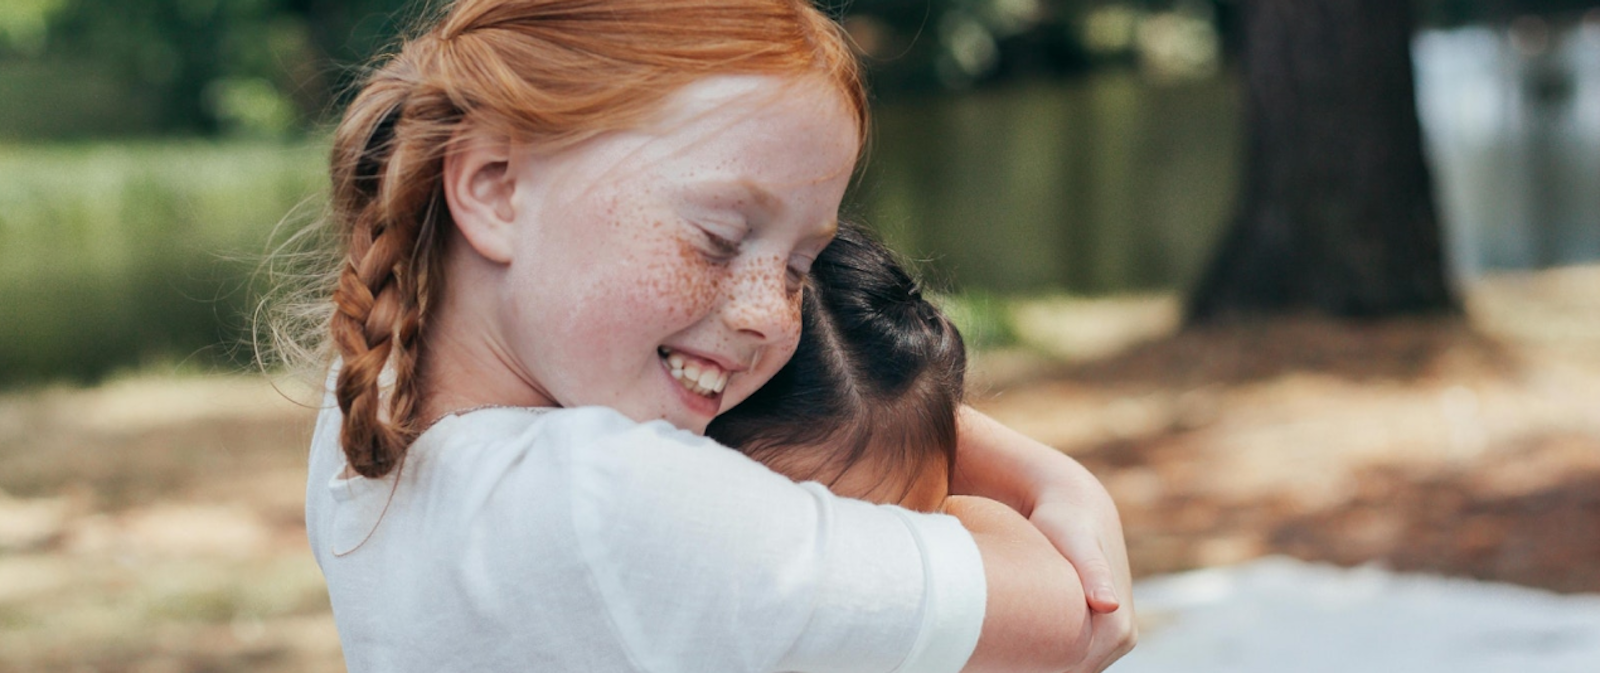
(580, 540)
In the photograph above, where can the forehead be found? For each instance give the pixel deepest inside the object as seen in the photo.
(791, 143)
(732, 96)
(775, 132)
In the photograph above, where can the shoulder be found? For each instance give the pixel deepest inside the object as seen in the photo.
(596, 453)
(551, 431)
(501, 425)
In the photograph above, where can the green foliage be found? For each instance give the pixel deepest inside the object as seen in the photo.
(113, 255)
(70, 100)
(1126, 194)
(270, 67)
(24, 24)
(182, 50)
(984, 319)
(236, 67)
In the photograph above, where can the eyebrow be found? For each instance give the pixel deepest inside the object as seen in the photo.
(771, 205)
(756, 196)
(761, 198)
(747, 193)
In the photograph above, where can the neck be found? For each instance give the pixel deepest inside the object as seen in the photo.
(466, 365)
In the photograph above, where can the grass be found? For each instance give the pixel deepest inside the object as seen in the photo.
(138, 254)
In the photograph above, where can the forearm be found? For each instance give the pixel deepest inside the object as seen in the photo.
(996, 462)
(1069, 506)
(1036, 616)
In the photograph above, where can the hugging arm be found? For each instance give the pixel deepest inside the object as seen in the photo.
(1070, 508)
(1035, 619)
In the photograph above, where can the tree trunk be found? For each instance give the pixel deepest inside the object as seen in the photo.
(1336, 213)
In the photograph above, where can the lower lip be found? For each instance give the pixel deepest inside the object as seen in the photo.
(697, 403)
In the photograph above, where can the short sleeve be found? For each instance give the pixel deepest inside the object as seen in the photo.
(707, 560)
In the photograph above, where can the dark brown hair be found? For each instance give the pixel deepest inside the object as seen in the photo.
(878, 374)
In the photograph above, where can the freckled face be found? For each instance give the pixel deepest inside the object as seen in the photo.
(658, 271)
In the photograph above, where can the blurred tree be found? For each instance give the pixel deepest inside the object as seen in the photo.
(225, 65)
(346, 34)
(1458, 12)
(1337, 213)
(936, 45)
(169, 46)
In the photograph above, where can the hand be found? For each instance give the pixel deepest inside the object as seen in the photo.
(1066, 503)
(1083, 525)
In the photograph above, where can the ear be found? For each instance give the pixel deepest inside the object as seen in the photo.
(478, 187)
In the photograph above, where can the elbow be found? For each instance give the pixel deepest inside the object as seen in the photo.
(1037, 621)
(1068, 637)
(1037, 617)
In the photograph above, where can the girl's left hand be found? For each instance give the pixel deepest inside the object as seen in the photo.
(1073, 510)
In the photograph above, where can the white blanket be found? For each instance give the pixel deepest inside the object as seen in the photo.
(1279, 615)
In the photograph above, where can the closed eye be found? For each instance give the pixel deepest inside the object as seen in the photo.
(721, 247)
(795, 279)
(798, 272)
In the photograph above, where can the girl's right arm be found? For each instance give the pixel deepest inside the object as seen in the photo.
(1037, 615)
(1037, 618)
(684, 538)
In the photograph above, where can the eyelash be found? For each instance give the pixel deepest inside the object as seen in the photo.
(797, 277)
(722, 248)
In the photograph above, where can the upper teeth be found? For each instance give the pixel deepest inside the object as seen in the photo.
(699, 376)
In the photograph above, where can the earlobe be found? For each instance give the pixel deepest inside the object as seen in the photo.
(479, 187)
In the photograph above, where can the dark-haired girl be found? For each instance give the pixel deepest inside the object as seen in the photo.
(868, 403)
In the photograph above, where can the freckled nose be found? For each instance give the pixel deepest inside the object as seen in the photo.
(759, 303)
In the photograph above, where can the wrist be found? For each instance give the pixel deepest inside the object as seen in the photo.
(999, 463)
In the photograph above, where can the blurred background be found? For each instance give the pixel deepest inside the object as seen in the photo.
(1316, 278)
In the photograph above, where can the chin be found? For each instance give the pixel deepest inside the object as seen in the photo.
(692, 424)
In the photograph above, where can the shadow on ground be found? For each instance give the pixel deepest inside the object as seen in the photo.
(1446, 446)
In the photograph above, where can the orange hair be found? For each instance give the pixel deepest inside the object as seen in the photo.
(538, 71)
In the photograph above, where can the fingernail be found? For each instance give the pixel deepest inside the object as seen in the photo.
(1106, 594)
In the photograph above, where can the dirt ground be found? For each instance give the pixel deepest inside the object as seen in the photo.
(154, 524)
(1462, 447)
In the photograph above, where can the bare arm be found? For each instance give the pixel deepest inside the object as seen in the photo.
(1036, 617)
(1070, 508)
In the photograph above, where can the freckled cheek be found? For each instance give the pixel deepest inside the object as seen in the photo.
(789, 310)
(759, 299)
(673, 281)
(794, 319)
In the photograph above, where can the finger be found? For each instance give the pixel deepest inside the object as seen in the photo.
(1083, 550)
(1098, 581)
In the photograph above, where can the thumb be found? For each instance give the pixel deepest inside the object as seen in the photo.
(1082, 548)
(1098, 583)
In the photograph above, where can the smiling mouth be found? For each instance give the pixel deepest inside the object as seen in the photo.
(696, 375)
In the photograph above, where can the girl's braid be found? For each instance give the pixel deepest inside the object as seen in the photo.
(386, 192)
